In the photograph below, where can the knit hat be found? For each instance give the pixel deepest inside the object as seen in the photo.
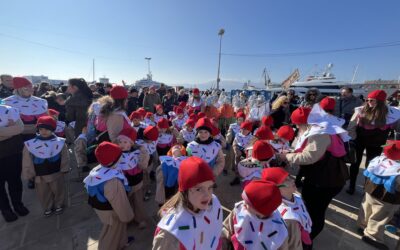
(286, 132)
(328, 104)
(263, 196)
(264, 133)
(149, 114)
(141, 111)
(262, 151)
(267, 121)
(300, 115)
(107, 153)
(392, 150)
(276, 175)
(179, 110)
(191, 123)
(46, 122)
(135, 115)
(118, 93)
(204, 123)
(129, 133)
(248, 125)
(163, 123)
(240, 115)
(151, 133)
(20, 82)
(201, 115)
(193, 171)
(378, 94)
(159, 107)
(196, 91)
(53, 112)
(182, 104)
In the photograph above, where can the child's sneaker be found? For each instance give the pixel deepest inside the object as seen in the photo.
(48, 212)
(59, 210)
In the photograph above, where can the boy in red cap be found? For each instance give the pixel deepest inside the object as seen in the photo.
(133, 161)
(159, 113)
(166, 138)
(149, 119)
(242, 140)
(195, 101)
(255, 223)
(188, 133)
(382, 194)
(292, 209)
(137, 123)
(46, 159)
(192, 218)
(60, 130)
(180, 119)
(107, 187)
(234, 128)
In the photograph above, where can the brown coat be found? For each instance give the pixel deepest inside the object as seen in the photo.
(165, 241)
(115, 123)
(10, 131)
(313, 151)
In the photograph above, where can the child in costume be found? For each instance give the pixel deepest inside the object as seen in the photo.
(166, 137)
(216, 134)
(292, 209)
(188, 133)
(159, 113)
(281, 142)
(135, 117)
(255, 223)
(192, 218)
(234, 128)
(205, 147)
(149, 119)
(382, 194)
(167, 173)
(180, 119)
(133, 161)
(107, 188)
(45, 158)
(60, 124)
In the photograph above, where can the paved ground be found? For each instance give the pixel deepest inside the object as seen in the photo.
(78, 227)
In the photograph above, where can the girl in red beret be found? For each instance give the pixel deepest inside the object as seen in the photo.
(166, 138)
(192, 218)
(60, 124)
(255, 223)
(369, 127)
(149, 119)
(188, 133)
(135, 117)
(195, 101)
(46, 159)
(159, 113)
(180, 119)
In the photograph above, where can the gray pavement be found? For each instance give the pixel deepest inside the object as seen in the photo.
(78, 227)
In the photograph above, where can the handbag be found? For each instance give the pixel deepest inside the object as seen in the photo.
(351, 156)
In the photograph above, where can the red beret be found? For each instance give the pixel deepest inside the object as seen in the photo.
(204, 123)
(276, 175)
(263, 196)
(241, 114)
(328, 104)
(182, 104)
(201, 115)
(163, 123)
(378, 94)
(130, 133)
(159, 107)
(20, 82)
(264, 133)
(190, 122)
(141, 111)
(107, 153)
(262, 151)
(286, 132)
(46, 122)
(135, 115)
(193, 171)
(248, 125)
(267, 121)
(215, 131)
(118, 93)
(300, 115)
(149, 114)
(193, 116)
(179, 110)
(196, 91)
(53, 112)
(151, 133)
(392, 150)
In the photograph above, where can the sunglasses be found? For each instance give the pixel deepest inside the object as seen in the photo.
(370, 100)
(313, 94)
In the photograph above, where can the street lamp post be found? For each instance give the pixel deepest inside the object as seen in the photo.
(220, 33)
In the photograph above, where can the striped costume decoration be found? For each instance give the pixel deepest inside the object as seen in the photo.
(8, 113)
(45, 149)
(297, 211)
(207, 152)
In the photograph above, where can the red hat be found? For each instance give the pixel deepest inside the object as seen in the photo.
(264, 133)
(149, 114)
(378, 94)
(159, 107)
(286, 132)
(248, 125)
(191, 123)
(53, 112)
(215, 131)
(193, 171)
(135, 115)
(300, 115)
(204, 123)
(46, 122)
(20, 82)
(196, 91)
(163, 123)
(262, 151)
(118, 93)
(276, 175)
(240, 114)
(214, 120)
(328, 104)
(267, 121)
(107, 153)
(151, 133)
(263, 196)
(201, 115)
(130, 133)
(179, 110)
(182, 104)
(141, 111)
(392, 150)
(193, 116)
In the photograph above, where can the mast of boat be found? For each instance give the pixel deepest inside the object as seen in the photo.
(267, 80)
(354, 73)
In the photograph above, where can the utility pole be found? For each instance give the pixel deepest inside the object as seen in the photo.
(220, 33)
(148, 66)
(94, 77)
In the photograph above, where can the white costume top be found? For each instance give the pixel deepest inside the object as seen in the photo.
(101, 174)
(297, 211)
(243, 140)
(207, 152)
(45, 149)
(383, 166)
(157, 117)
(129, 160)
(150, 147)
(8, 113)
(165, 138)
(178, 123)
(256, 113)
(235, 128)
(27, 106)
(188, 136)
(60, 127)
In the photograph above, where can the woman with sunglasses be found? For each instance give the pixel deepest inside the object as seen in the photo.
(310, 98)
(192, 218)
(369, 127)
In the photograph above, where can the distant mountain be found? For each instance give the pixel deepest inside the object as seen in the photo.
(224, 84)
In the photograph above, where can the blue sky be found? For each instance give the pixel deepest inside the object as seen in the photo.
(181, 37)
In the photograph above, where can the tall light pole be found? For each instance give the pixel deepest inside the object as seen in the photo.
(148, 65)
(220, 33)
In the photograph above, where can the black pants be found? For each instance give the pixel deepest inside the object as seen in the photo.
(317, 200)
(372, 152)
(10, 174)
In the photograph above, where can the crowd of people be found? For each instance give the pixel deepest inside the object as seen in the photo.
(125, 139)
